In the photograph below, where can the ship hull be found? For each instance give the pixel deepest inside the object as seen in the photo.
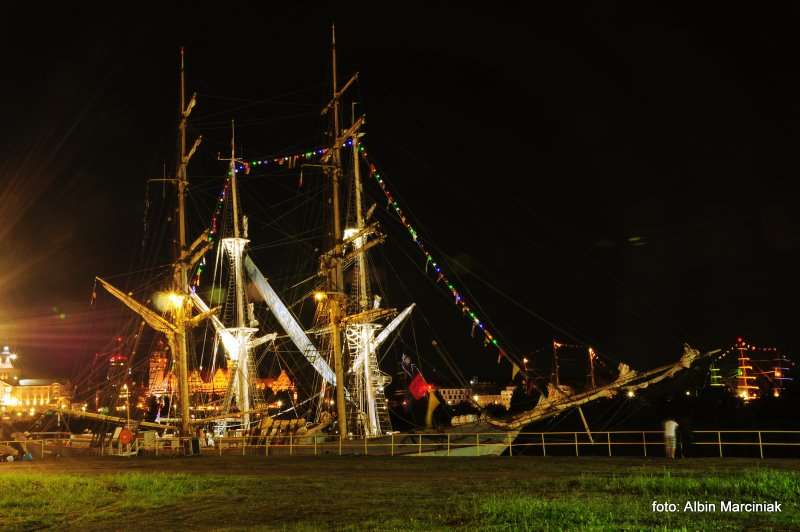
(476, 439)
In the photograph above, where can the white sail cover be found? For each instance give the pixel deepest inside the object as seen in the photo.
(289, 323)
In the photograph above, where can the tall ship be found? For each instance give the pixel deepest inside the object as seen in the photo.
(308, 347)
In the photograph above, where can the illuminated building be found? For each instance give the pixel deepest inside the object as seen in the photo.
(218, 382)
(502, 398)
(29, 396)
(484, 394)
(8, 372)
(157, 374)
(117, 376)
(453, 396)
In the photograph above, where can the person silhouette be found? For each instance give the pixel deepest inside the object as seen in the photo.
(670, 426)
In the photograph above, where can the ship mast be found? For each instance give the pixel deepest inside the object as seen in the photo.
(368, 381)
(336, 283)
(234, 248)
(361, 263)
(365, 383)
(337, 171)
(556, 378)
(178, 300)
(744, 388)
(780, 373)
(181, 281)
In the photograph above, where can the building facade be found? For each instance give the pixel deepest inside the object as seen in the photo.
(20, 396)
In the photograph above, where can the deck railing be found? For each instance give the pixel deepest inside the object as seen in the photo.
(602, 443)
(609, 443)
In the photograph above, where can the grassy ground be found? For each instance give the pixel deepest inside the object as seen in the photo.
(383, 493)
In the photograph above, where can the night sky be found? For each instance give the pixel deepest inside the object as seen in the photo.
(623, 173)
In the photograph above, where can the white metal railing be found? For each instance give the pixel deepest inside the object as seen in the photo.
(444, 444)
(449, 444)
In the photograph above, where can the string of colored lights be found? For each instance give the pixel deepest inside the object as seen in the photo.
(742, 344)
(291, 160)
(477, 323)
(246, 167)
(286, 160)
(213, 229)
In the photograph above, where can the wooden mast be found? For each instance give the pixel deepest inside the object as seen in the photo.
(337, 284)
(361, 259)
(556, 378)
(181, 284)
(178, 299)
(234, 246)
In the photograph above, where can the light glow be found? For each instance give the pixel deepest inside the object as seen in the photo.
(175, 299)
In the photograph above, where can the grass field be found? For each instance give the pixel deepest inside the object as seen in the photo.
(384, 493)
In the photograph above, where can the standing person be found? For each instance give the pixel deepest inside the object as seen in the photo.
(670, 426)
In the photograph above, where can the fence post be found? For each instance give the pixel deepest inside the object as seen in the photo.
(366, 451)
(340, 445)
(544, 449)
(644, 442)
(315, 445)
(419, 449)
(478, 444)
(392, 444)
(510, 445)
(719, 442)
(448, 444)
(576, 443)
(609, 442)
(219, 445)
(760, 446)
(759, 437)
(291, 444)
(243, 445)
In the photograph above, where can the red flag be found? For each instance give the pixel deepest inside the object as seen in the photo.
(418, 386)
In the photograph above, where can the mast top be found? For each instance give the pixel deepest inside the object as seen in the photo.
(233, 142)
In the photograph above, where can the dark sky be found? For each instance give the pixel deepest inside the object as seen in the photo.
(622, 172)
